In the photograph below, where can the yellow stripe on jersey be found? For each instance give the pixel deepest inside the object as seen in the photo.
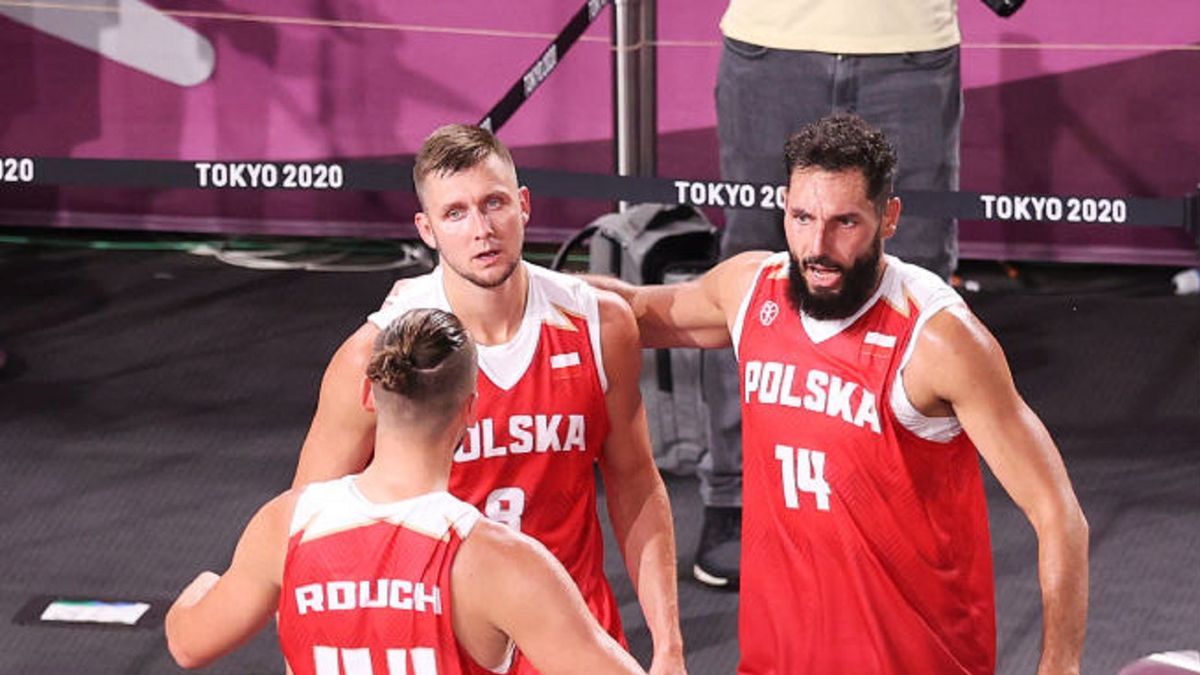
(564, 314)
(904, 303)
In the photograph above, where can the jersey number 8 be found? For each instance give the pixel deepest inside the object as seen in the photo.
(506, 505)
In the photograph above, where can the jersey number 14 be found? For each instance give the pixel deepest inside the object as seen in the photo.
(803, 471)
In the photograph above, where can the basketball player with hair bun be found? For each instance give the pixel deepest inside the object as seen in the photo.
(386, 572)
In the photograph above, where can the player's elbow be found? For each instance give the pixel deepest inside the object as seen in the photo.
(183, 659)
(184, 655)
(1066, 521)
(1079, 523)
(180, 644)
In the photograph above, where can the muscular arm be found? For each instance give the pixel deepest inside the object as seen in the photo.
(957, 361)
(508, 585)
(216, 614)
(342, 435)
(637, 499)
(695, 313)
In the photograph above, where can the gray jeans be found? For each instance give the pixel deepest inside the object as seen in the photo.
(763, 96)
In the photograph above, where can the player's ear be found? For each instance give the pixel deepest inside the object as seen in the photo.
(891, 217)
(367, 396)
(425, 229)
(526, 204)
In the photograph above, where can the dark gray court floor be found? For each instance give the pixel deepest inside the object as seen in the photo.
(153, 399)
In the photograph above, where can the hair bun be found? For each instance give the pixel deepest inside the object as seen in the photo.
(412, 353)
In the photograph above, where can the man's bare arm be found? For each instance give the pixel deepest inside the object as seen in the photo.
(959, 361)
(695, 313)
(341, 438)
(507, 584)
(637, 499)
(216, 614)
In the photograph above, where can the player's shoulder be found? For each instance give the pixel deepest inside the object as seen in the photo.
(490, 542)
(742, 269)
(752, 262)
(409, 293)
(910, 283)
(273, 519)
(354, 353)
(613, 309)
(946, 326)
(493, 566)
(563, 290)
(956, 357)
(755, 260)
(730, 281)
(447, 512)
(283, 504)
(955, 332)
(306, 501)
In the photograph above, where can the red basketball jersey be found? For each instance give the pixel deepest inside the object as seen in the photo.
(865, 546)
(529, 461)
(366, 587)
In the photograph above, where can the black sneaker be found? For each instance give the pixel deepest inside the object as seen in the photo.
(718, 558)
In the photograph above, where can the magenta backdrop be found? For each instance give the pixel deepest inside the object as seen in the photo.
(1063, 98)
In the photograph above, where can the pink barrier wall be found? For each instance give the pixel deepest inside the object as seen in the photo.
(1066, 97)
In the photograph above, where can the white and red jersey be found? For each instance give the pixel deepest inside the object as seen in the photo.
(865, 545)
(529, 460)
(366, 586)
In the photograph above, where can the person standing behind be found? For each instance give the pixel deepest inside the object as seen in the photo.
(386, 572)
(558, 390)
(869, 392)
(787, 63)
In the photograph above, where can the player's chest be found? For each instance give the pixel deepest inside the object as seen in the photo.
(836, 386)
(556, 407)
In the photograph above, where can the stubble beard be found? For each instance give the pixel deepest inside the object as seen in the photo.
(490, 282)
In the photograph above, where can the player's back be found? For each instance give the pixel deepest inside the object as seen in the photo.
(366, 586)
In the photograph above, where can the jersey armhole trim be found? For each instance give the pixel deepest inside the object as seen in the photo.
(936, 429)
(592, 303)
(506, 664)
(735, 335)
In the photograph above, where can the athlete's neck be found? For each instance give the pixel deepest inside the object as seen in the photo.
(492, 315)
(407, 465)
(880, 271)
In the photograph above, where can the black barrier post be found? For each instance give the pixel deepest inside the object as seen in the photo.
(634, 102)
(1191, 215)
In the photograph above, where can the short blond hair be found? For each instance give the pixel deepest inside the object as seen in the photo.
(457, 147)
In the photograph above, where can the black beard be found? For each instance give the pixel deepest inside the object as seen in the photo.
(858, 283)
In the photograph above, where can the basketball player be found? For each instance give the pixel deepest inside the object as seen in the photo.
(867, 389)
(558, 389)
(385, 572)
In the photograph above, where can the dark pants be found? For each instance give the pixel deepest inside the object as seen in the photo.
(763, 96)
